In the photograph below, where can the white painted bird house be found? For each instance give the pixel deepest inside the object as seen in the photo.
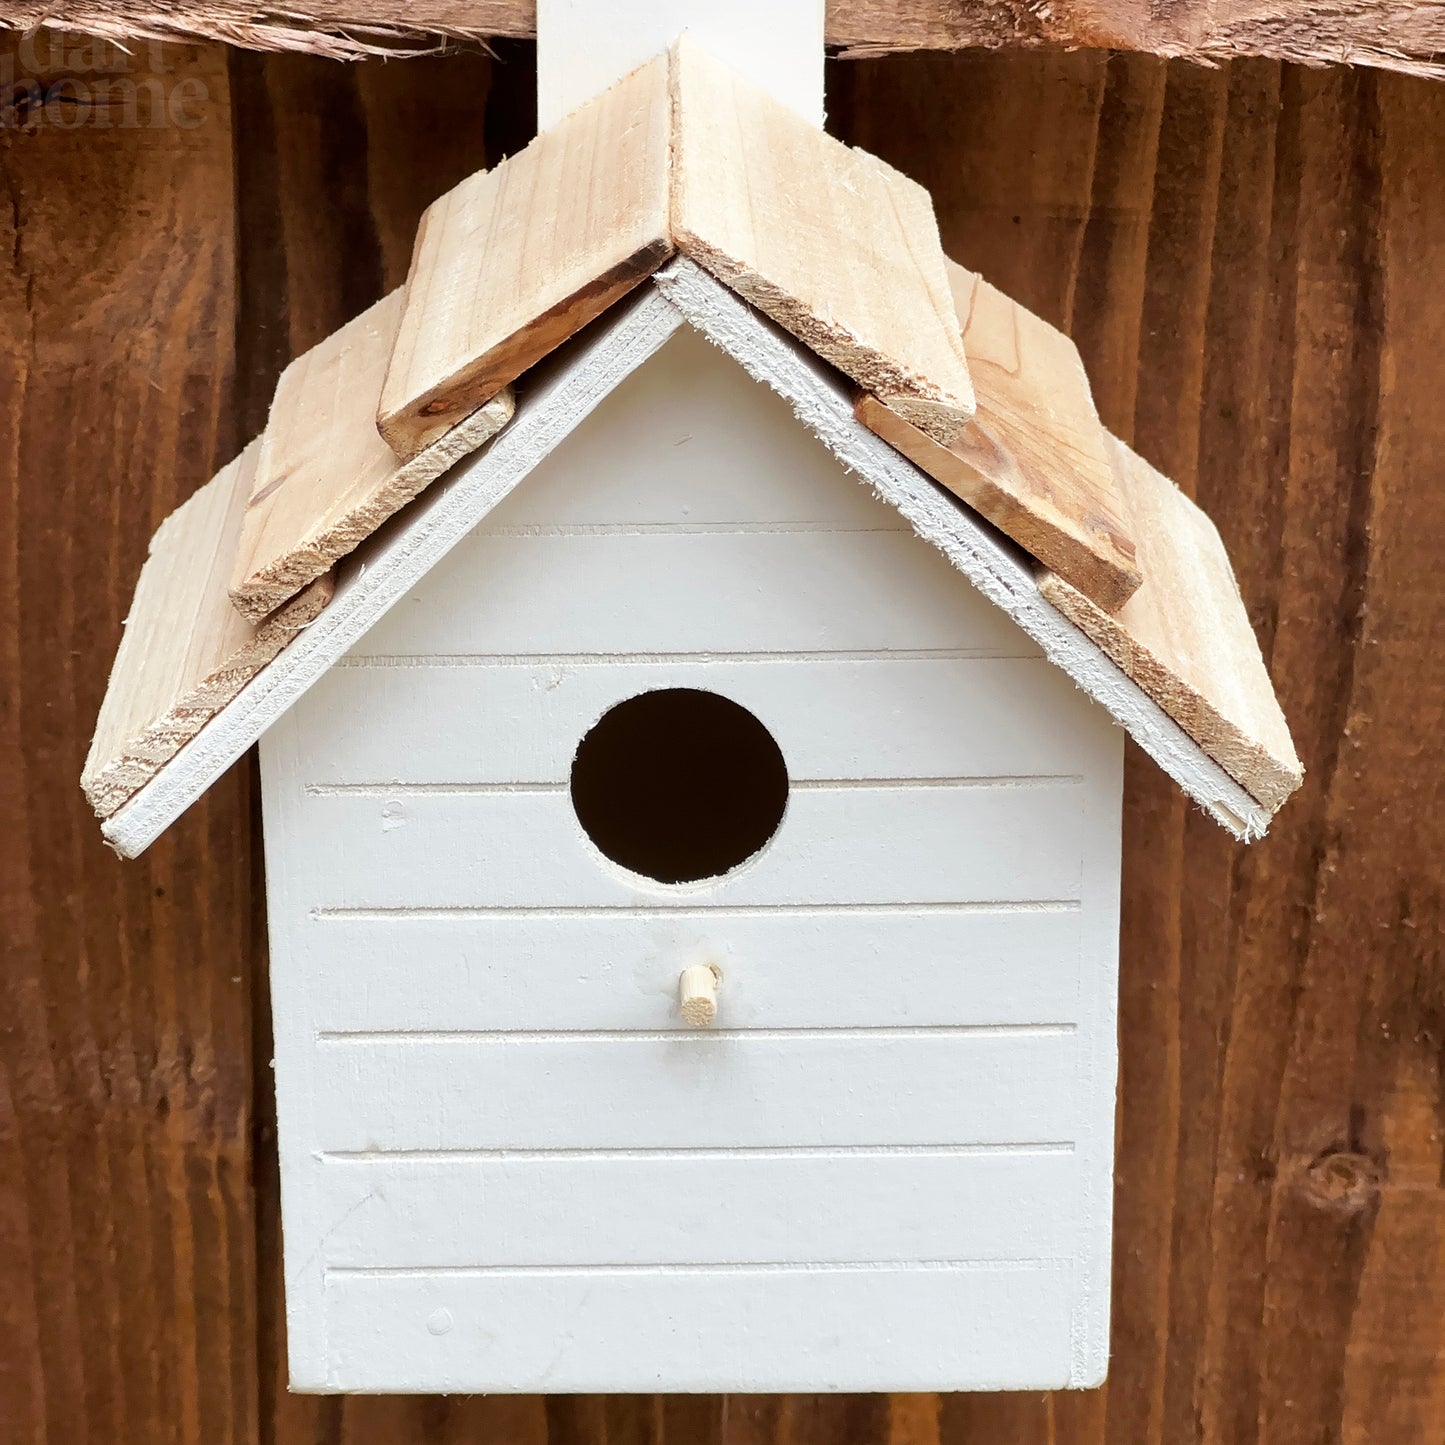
(692, 827)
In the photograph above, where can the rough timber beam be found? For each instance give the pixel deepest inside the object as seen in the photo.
(1402, 35)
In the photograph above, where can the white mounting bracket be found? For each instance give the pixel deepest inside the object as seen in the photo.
(584, 46)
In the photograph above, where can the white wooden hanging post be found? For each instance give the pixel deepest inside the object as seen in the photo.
(687, 798)
(584, 46)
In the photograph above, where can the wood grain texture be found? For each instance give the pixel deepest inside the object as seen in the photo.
(825, 407)
(186, 652)
(324, 480)
(834, 246)
(515, 260)
(1185, 637)
(127, 1245)
(1246, 259)
(1033, 458)
(1400, 35)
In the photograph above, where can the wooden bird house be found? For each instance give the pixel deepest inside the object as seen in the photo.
(691, 631)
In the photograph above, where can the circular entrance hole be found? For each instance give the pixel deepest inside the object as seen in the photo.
(679, 785)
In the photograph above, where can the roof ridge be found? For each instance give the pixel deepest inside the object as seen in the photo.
(831, 242)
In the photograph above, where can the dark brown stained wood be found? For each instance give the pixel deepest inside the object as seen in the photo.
(1247, 259)
(127, 1258)
(1402, 35)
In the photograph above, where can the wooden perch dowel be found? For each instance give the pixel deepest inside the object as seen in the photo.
(697, 994)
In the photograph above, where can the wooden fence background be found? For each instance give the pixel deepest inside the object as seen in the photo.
(1251, 261)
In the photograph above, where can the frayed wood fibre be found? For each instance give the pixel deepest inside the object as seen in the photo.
(1398, 35)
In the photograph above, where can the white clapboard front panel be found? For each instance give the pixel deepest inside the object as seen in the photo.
(507, 1163)
(763, 592)
(618, 968)
(672, 1088)
(658, 1327)
(969, 717)
(882, 844)
(415, 1211)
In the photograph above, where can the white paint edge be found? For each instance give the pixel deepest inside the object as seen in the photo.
(559, 396)
(822, 401)
(567, 389)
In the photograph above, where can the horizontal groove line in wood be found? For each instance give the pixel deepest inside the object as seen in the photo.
(681, 909)
(373, 790)
(697, 1038)
(662, 659)
(543, 1271)
(685, 529)
(778, 1151)
(860, 1204)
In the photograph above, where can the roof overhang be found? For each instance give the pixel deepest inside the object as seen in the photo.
(560, 394)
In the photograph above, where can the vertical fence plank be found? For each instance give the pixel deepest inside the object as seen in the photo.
(126, 1025)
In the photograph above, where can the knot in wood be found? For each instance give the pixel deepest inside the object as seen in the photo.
(1343, 1179)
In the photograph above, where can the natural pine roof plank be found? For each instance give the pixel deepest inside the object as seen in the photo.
(1032, 460)
(832, 244)
(514, 260)
(1185, 636)
(326, 479)
(186, 652)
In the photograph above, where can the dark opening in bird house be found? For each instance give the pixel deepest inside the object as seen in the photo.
(679, 785)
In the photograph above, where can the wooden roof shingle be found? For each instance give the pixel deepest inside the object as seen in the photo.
(769, 224)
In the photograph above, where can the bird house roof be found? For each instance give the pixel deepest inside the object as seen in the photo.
(682, 196)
